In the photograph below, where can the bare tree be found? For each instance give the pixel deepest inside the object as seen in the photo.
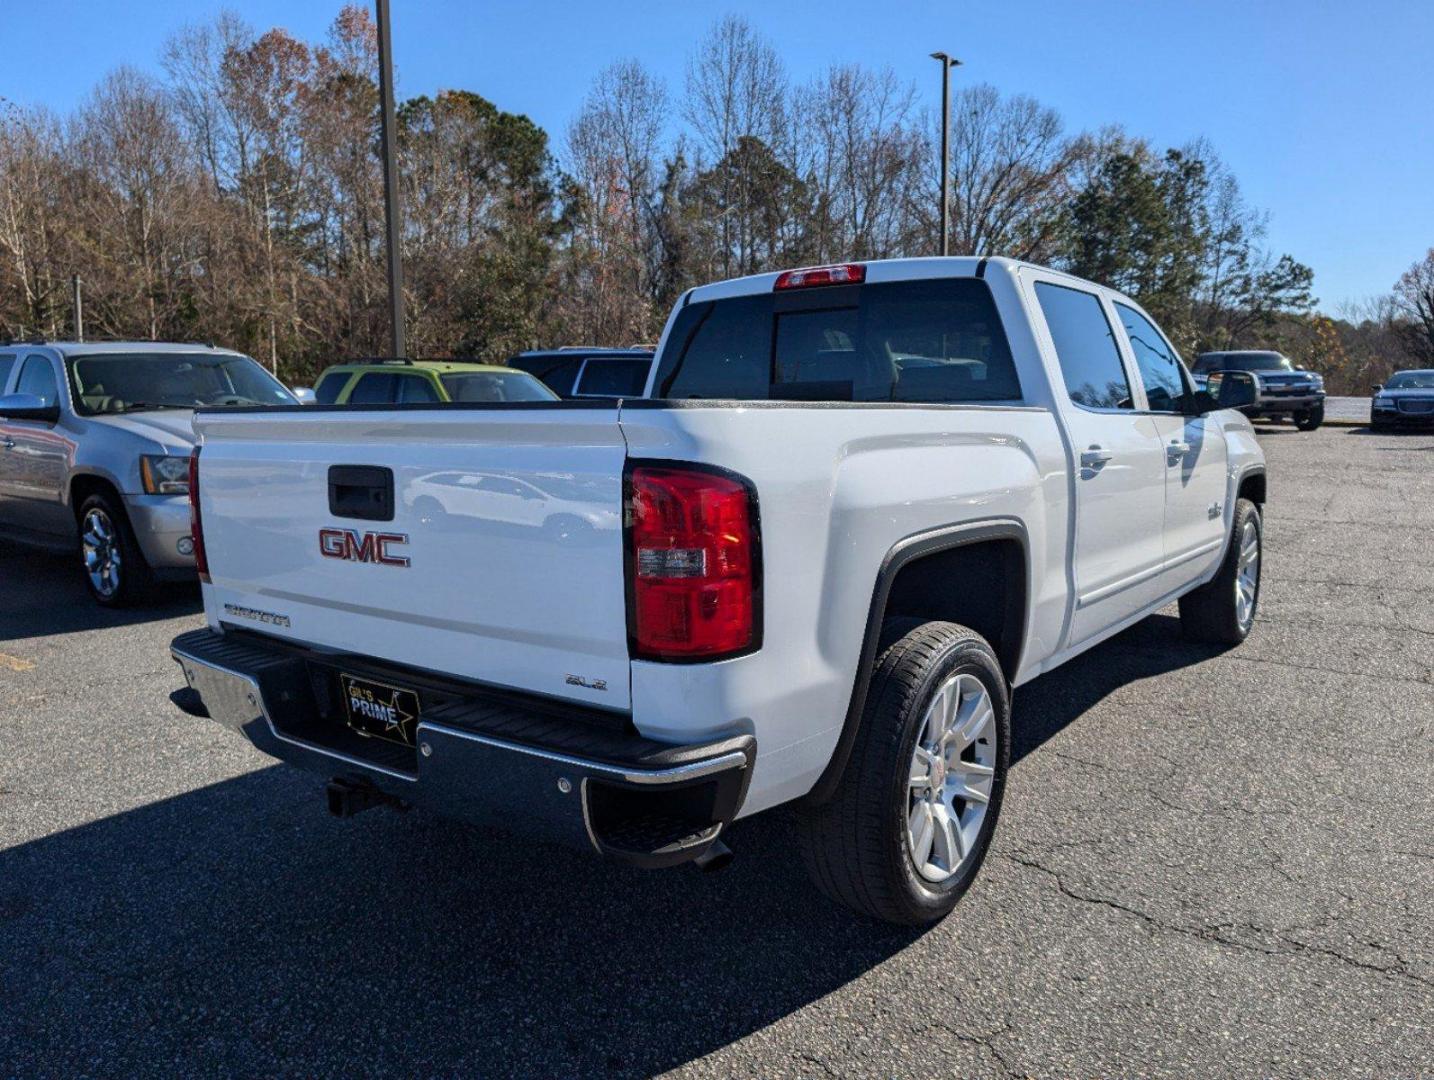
(736, 101)
(1012, 169)
(863, 160)
(1414, 300)
(614, 152)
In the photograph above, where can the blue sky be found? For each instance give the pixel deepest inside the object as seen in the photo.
(1324, 110)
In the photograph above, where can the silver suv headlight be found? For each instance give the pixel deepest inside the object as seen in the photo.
(161, 474)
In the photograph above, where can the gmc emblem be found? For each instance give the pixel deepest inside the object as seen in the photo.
(366, 547)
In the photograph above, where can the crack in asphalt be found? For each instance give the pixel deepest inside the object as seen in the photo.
(1210, 933)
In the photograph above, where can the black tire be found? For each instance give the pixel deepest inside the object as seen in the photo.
(1309, 419)
(1211, 613)
(132, 575)
(855, 844)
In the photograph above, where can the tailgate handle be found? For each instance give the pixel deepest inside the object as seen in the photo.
(364, 492)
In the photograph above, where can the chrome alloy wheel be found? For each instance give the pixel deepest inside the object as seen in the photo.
(100, 543)
(952, 769)
(1247, 575)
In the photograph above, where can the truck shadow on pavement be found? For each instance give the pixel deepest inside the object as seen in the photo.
(238, 929)
(44, 596)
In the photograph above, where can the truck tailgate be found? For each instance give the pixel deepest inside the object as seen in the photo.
(502, 561)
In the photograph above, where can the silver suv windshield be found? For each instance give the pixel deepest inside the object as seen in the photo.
(108, 383)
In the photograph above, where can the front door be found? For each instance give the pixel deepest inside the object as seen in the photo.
(1195, 455)
(1119, 487)
(35, 458)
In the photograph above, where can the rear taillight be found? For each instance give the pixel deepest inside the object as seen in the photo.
(693, 564)
(841, 274)
(196, 523)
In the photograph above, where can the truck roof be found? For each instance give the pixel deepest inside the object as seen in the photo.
(424, 365)
(100, 348)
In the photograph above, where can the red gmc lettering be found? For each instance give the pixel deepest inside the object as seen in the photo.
(366, 547)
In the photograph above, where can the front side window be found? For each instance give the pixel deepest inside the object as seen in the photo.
(7, 364)
(124, 382)
(932, 342)
(1085, 347)
(1159, 367)
(37, 377)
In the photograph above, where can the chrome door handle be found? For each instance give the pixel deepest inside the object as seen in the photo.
(1177, 451)
(9, 443)
(1094, 458)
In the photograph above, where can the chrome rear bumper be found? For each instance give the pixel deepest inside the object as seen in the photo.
(529, 769)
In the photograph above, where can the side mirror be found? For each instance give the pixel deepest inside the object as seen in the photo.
(28, 407)
(305, 395)
(1232, 389)
(1376, 388)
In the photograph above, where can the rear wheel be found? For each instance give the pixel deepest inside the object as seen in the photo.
(1309, 419)
(911, 820)
(114, 567)
(1223, 611)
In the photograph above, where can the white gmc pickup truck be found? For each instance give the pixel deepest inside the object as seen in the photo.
(857, 505)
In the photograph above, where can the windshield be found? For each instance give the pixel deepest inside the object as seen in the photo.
(495, 386)
(1256, 361)
(130, 382)
(1411, 380)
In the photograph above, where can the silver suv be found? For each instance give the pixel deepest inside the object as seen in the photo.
(94, 451)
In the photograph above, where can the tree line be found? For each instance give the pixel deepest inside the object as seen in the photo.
(238, 199)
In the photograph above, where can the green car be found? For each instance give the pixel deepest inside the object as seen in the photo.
(406, 382)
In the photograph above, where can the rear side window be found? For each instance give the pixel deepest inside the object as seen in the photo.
(934, 342)
(1085, 346)
(1158, 365)
(7, 364)
(613, 378)
(330, 386)
(38, 377)
(558, 372)
(374, 388)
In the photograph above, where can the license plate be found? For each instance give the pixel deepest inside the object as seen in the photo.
(380, 711)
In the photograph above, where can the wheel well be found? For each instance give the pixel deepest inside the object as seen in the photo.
(1252, 487)
(82, 487)
(981, 585)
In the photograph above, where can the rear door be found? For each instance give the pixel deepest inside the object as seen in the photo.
(1194, 447)
(1119, 462)
(501, 559)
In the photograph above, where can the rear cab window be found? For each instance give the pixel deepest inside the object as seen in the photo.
(935, 341)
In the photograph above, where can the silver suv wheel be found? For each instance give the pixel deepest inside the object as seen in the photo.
(100, 545)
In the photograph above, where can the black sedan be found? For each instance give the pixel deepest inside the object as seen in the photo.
(1406, 400)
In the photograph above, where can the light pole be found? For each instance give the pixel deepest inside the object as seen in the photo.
(947, 63)
(390, 179)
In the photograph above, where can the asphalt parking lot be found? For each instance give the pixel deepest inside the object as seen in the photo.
(1208, 864)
